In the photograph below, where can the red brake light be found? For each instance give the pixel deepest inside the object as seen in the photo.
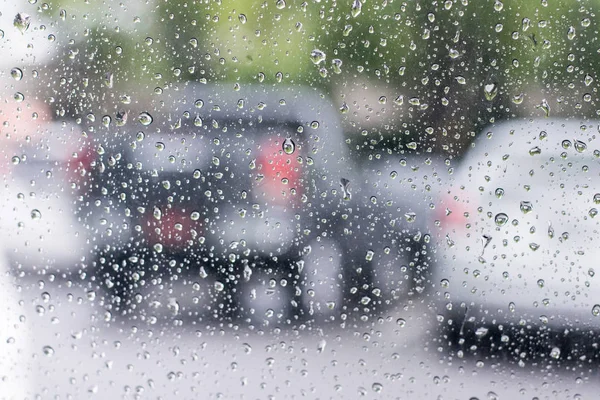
(280, 173)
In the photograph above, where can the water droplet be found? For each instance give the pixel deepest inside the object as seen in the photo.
(16, 160)
(369, 255)
(121, 118)
(48, 351)
(377, 387)
(19, 97)
(571, 33)
(580, 146)
(499, 193)
(593, 212)
(596, 310)
(550, 231)
(22, 22)
(498, 6)
(345, 185)
(534, 246)
(526, 207)
(410, 217)
(512, 307)
(242, 18)
(219, 286)
(145, 118)
(545, 107)
(288, 146)
(481, 332)
(317, 56)
(36, 214)
(356, 8)
(16, 73)
(490, 88)
(501, 219)
(535, 151)
(518, 98)
(541, 283)
(461, 80)
(321, 345)
(555, 353)
(588, 80)
(336, 65)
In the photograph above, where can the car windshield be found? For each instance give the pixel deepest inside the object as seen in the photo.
(212, 199)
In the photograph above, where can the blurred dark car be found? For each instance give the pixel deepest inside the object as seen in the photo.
(246, 202)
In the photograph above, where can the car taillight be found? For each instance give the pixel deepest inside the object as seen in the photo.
(174, 228)
(279, 174)
(79, 166)
(453, 214)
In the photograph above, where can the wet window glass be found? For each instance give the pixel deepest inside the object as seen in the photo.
(279, 199)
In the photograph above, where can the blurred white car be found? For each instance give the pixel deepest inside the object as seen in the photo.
(15, 341)
(43, 177)
(517, 231)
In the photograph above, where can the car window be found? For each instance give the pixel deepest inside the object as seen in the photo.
(278, 199)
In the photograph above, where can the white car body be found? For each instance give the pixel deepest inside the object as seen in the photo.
(15, 341)
(39, 217)
(538, 267)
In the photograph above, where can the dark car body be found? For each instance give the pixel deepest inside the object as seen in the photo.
(253, 188)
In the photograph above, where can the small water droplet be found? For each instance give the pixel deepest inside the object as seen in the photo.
(499, 193)
(219, 286)
(242, 18)
(36, 214)
(48, 351)
(571, 33)
(555, 353)
(588, 80)
(596, 310)
(369, 255)
(19, 97)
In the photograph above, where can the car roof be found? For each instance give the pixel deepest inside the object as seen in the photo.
(535, 137)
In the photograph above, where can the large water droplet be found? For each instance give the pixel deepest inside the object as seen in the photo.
(356, 8)
(22, 22)
(48, 351)
(580, 146)
(596, 310)
(288, 146)
(16, 73)
(501, 219)
(545, 107)
(145, 118)
(345, 185)
(526, 207)
(36, 214)
(317, 56)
